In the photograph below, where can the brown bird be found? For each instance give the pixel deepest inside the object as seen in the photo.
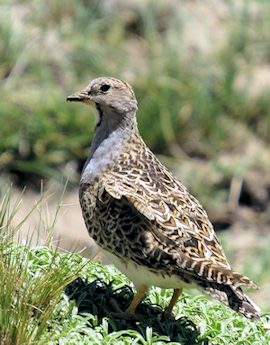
(143, 219)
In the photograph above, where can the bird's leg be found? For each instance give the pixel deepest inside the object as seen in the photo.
(142, 290)
(176, 294)
(130, 312)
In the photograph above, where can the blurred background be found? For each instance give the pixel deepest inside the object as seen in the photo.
(201, 74)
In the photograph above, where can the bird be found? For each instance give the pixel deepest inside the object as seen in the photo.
(143, 219)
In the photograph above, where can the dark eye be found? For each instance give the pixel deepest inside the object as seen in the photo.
(104, 87)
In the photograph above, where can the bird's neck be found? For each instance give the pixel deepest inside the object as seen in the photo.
(111, 135)
(122, 125)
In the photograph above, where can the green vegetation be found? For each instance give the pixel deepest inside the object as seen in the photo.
(32, 282)
(52, 298)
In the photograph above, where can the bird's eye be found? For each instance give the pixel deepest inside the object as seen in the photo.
(104, 87)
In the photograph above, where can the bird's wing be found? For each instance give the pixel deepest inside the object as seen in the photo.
(178, 217)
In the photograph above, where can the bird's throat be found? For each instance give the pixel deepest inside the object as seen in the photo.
(111, 136)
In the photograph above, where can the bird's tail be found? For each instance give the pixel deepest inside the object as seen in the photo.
(226, 286)
(236, 299)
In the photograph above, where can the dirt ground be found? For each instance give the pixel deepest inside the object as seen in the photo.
(54, 221)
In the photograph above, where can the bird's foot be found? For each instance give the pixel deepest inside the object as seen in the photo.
(119, 313)
(168, 312)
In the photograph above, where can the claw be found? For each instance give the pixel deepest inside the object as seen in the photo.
(119, 313)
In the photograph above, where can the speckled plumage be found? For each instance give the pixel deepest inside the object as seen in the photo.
(141, 216)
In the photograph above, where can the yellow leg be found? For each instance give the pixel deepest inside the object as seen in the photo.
(142, 290)
(176, 294)
(130, 312)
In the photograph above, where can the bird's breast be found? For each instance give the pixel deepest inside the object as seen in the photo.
(104, 155)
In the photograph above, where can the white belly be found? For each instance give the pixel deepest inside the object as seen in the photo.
(141, 275)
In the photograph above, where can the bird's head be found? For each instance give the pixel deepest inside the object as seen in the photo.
(110, 95)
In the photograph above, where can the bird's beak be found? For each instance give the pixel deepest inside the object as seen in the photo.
(81, 96)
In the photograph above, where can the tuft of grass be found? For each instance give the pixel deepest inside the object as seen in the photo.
(31, 285)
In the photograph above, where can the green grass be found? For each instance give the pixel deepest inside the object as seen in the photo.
(56, 298)
(32, 281)
(35, 310)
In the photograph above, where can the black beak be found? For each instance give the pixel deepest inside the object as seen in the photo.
(80, 96)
